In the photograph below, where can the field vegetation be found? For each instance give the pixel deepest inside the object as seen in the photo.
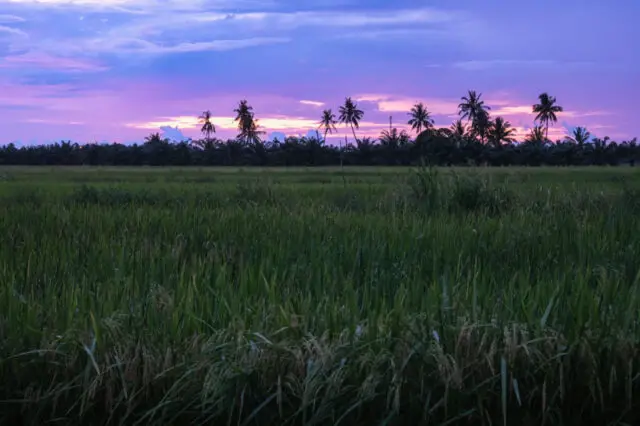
(319, 296)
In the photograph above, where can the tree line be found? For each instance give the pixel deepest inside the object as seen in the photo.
(476, 138)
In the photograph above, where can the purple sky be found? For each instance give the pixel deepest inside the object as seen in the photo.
(117, 70)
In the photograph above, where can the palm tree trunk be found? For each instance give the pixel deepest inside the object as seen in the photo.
(546, 132)
(355, 139)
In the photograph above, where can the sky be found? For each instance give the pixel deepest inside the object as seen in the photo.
(118, 70)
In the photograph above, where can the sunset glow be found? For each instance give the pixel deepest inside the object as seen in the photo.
(117, 70)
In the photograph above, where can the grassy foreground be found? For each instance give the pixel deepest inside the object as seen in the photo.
(316, 297)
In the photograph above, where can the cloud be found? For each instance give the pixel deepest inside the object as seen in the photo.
(312, 103)
(130, 109)
(52, 122)
(140, 6)
(227, 123)
(388, 103)
(173, 133)
(513, 110)
(43, 60)
(12, 31)
(140, 46)
(73, 2)
(276, 125)
(110, 52)
(478, 65)
(205, 29)
(527, 110)
(10, 19)
(122, 32)
(331, 18)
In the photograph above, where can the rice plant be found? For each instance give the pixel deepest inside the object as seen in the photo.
(422, 297)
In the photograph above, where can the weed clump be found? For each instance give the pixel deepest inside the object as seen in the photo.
(459, 194)
(479, 195)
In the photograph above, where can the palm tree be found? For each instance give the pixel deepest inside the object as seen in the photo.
(481, 125)
(420, 118)
(243, 110)
(393, 138)
(328, 122)
(501, 131)
(154, 138)
(580, 136)
(247, 124)
(472, 107)
(546, 111)
(244, 116)
(252, 133)
(208, 128)
(458, 129)
(536, 135)
(350, 115)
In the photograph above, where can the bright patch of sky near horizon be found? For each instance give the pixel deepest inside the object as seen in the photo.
(117, 70)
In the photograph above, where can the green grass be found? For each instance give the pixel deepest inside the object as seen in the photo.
(313, 297)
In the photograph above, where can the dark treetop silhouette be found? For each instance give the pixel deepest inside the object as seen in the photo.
(487, 141)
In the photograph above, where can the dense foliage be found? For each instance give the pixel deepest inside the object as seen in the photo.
(319, 296)
(438, 148)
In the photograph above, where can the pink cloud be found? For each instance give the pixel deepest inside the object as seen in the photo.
(125, 110)
(389, 103)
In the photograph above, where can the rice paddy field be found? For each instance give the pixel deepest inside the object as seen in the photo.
(327, 296)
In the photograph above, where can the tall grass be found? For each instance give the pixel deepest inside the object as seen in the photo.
(437, 298)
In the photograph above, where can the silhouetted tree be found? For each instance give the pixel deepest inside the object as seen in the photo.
(473, 109)
(153, 138)
(350, 115)
(501, 131)
(579, 136)
(394, 138)
(252, 133)
(328, 122)
(247, 124)
(244, 118)
(420, 118)
(458, 129)
(438, 147)
(546, 111)
(481, 125)
(536, 135)
(208, 128)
